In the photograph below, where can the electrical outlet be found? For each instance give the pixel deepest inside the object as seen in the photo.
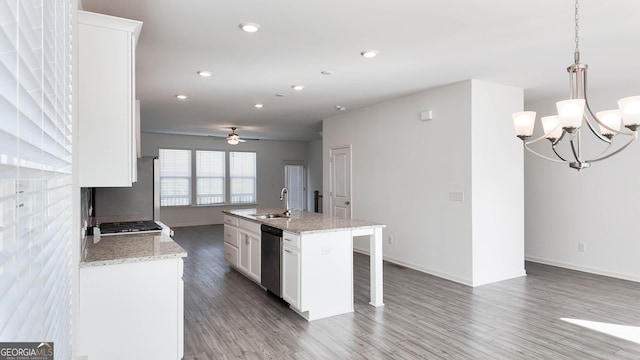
(582, 247)
(390, 240)
(456, 196)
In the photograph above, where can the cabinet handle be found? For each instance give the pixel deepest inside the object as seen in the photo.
(287, 239)
(287, 250)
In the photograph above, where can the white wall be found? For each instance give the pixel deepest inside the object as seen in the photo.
(404, 170)
(497, 184)
(271, 156)
(598, 206)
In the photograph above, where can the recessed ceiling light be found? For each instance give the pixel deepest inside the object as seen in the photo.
(258, 106)
(326, 72)
(181, 96)
(249, 27)
(280, 95)
(341, 108)
(369, 53)
(204, 73)
(297, 87)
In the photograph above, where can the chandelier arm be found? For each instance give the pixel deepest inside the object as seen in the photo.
(592, 128)
(542, 137)
(526, 146)
(606, 149)
(633, 139)
(553, 147)
(618, 132)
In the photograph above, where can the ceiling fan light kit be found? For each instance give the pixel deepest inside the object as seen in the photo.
(575, 112)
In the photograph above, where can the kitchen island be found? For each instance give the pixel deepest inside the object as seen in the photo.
(317, 257)
(131, 297)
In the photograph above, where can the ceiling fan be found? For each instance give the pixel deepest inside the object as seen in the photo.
(234, 138)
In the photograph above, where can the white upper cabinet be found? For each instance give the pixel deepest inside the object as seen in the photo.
(106, 100)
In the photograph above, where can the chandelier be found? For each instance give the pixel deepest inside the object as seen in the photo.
(571, 118)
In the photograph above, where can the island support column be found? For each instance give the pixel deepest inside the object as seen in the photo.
(375, 262)
(375, 265)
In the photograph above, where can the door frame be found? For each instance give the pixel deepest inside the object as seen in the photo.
(331, 182)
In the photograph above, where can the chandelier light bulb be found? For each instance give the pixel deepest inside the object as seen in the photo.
(523, 122)
(611, 119)
(551, 127)
(630, 108)
(571, 112)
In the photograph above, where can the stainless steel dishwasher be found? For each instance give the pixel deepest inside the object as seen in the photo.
(271, 263)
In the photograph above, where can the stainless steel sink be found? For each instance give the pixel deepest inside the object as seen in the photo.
(269, 216)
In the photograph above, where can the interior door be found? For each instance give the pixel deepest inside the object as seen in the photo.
(340, 183)
(294, 182)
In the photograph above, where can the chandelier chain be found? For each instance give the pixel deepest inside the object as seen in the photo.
(576, 54)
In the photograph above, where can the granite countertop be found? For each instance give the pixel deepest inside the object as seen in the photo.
(304, 222)
(127, 248)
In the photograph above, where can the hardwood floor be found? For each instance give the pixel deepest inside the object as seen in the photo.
(228, 316)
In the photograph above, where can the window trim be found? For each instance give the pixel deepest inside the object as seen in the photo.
(224, 177)
(227, 178)
(190, 178)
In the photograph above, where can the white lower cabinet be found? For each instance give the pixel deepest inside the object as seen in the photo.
(291, 276)
(243, 246)
(317, 273)
(132, 310)
(317, 267)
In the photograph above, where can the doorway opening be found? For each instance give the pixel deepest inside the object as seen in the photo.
(294, 179)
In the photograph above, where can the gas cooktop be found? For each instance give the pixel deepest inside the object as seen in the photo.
(129, 227)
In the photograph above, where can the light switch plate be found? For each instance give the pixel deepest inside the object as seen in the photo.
(426, 115)
(456, 196)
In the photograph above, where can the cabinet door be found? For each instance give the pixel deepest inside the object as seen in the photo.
(256, 256)
(291, 276)
(106, 107)
(244, 246)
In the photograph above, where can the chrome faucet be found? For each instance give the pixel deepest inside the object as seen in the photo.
(284, 194)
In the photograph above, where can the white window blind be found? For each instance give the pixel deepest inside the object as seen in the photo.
(242, 176)
(210, 176)
(35, 172)
(175, 177)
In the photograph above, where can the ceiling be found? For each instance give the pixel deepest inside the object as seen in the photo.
(421, 43)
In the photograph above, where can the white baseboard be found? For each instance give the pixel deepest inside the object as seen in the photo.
(423, 269)
(586, 269)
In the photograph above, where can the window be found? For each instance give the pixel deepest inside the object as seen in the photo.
(175, 177)
(242, 174)
(210, 177)
(37, 237)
